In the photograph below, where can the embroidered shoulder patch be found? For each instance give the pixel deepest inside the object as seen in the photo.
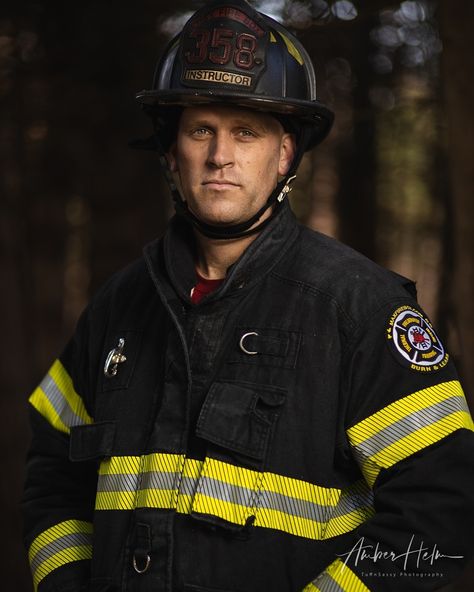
(414, 342)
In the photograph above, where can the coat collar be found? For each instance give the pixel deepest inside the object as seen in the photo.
(171, 259)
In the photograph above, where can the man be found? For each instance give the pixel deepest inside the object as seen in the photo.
(252, 406)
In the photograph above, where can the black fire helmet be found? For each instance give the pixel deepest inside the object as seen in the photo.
(231, 54)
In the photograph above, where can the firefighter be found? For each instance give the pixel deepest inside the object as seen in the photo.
(251, 405)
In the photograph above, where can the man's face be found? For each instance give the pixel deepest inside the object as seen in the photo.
(228, 161)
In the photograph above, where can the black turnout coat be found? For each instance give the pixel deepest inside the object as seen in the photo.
(302, 427)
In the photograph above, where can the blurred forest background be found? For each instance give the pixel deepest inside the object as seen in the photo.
(394, 179)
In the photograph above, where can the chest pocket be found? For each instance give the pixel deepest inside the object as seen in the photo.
(128, 387)
(98, 440)
(237, 420)
(239, 416)
(265, 347)
(119, 360)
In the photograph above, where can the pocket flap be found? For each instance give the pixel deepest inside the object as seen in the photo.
(94, 441)
(239, 416)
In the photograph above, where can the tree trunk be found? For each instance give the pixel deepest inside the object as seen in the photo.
(458, 94)
(456, 22)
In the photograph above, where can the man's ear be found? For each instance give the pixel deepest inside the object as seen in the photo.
(287, 153)
(172, 159)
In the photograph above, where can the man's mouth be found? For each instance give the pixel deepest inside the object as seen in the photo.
(220, 184)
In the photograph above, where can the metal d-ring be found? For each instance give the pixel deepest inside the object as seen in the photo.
(243, 348)
(147, 565)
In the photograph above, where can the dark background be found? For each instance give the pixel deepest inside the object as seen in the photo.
(394, 179)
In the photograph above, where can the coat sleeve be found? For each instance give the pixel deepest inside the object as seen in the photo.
(59, 495)
(409, 429)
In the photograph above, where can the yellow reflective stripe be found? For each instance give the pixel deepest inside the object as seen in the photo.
(354, 506)
(301, 489)
(191, 471)
(192, 468)
(120, 464)
(169, 463)
(337, 578)
(232, 474)
(115, 500)
(159, 481)
(291, 49)
(345, 577)
(422, 438)
(63, 543)
(298, 525)
(407, 426)
(235, 513)
(157, 498)
(64, 382)
(57, 401)
(41, 403)
(138, 493)
(210, 498)
(232, 493)
(370, 470)
(57, 531)
(348, 522)
(123, 466)
(61, 558)
(402, 408)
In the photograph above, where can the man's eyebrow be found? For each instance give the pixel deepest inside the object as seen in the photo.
(234, 122)
(254, 124)
(201, 122)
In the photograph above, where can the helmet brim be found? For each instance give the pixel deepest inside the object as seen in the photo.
(311, 113)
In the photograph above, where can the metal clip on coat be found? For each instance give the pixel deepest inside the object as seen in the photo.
(286, 189)
(114, 358)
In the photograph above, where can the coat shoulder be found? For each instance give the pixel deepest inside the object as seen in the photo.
(352, 281)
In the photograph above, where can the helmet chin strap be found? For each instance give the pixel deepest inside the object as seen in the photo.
(245, 228)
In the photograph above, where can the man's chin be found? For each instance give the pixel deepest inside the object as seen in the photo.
(218, 218)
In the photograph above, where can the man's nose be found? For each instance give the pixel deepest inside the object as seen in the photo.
(221, 151)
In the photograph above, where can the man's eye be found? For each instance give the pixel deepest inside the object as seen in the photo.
(200, 131)
(245, 133)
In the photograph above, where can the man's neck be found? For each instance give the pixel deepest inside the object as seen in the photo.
(215, 256)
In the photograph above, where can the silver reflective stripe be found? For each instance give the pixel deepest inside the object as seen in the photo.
(59, 402)
(271, 500)
(359, 456)
(233, 494)
(354, 498)
(410, 424)
(188, 486)
(159, 480)
(327, 584)
(117, 482)
(226, 492)
(60, 544)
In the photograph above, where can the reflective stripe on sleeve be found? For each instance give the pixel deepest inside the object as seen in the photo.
(59, 545)
(407, 426)
(337, 578)
(57, 401)
(234, 494)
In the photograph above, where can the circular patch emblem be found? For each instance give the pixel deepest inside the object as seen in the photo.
(414, 342)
